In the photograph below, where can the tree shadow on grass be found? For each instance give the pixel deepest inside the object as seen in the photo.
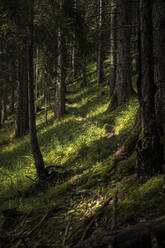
(22, 147)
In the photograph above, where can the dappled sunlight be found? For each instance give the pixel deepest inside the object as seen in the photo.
(100, 110)
(125, 118)
(80, 149)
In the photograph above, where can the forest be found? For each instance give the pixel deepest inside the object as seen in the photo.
(82, 122)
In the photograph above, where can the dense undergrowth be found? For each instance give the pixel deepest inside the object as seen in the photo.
(80, 149)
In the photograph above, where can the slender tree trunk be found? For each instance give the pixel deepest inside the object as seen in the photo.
(151, 151)
(113, 41)
(25, 118)
(4, 108)
(74, 41)
(12, 99)
(100, 45)
(84, 80)
(60, 86)
(73, 61)
(39, 163)
(46, 109)
(18, 122)
(36, 80)
(0, 112)
(46, 96)
(14, 78)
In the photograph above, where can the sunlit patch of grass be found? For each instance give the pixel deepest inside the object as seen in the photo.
(6, 133)
(77, 141)
(82, 156)
(126, 117)
(91, 67)
(60, 142)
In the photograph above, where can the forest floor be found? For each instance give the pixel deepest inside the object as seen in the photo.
(78, 201)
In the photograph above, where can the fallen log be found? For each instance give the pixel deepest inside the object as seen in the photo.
(149, 234)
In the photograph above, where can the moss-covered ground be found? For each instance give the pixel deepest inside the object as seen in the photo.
(80, 149)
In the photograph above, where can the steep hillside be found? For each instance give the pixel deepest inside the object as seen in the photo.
(85, 176)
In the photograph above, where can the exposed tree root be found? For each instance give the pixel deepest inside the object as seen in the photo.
(148, 234)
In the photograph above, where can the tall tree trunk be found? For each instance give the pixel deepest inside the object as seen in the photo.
(100, 55)
(60, 85)
(4, 107)
(22, 116)
(134, 36)
(36, 79)
(0, 112)
(84, 80)
(46, 95)
(18, 122)
(73, 59)
(112, 53)
(25, 97)
(159, 59)
(12, 99)
(12, 102)
(151, 151)
(123, 87)
(74, 41)
(39, 163)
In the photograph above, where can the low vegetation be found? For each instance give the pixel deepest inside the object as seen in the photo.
(84, 175)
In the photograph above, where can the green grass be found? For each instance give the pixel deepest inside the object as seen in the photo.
(82, 155)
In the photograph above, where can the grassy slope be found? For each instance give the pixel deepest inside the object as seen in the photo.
(81, 151)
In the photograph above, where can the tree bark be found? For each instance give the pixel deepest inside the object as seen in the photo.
(22, 115)
(159, 59)
(123, 87)
(14, 79)
(112, 53)
(100, 58)
(73, 62)
(4, 107)
(60, 85)
(151, 150)
(0, 112)
(147, 234)
(36, 79)
(46, 96)
(12, 99)
(84, 79)
(73, 59)
(39, 163)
